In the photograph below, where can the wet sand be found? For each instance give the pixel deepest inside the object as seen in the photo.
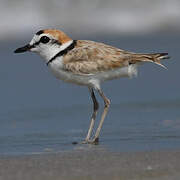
(90, 164)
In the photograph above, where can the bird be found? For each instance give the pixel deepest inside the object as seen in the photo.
(87, 63)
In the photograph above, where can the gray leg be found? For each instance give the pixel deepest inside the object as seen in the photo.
(95, 109)
(106, 107)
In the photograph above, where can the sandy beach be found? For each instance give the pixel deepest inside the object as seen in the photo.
(90, 164)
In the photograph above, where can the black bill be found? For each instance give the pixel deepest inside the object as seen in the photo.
(23, 49)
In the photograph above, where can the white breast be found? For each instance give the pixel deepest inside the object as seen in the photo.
(56, 68)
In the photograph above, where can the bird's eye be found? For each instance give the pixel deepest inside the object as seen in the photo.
(44, 39)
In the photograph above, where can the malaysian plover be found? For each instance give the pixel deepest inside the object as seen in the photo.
(87, 63)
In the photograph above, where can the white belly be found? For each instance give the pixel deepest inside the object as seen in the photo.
(88, 80)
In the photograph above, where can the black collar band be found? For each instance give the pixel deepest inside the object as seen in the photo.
(63, 52)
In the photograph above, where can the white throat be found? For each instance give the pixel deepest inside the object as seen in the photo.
(49, 52)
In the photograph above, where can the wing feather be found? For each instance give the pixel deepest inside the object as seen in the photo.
(90, 57)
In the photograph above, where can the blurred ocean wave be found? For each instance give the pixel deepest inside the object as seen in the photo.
(89, 17)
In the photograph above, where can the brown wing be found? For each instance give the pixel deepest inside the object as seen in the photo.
(89, 57)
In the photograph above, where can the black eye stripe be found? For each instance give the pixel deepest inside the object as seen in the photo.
(38, 42)
(54, 41)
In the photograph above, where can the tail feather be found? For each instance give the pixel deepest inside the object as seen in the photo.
(155, 58)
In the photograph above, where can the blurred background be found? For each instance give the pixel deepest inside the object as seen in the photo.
(38, 112)
(21, 18)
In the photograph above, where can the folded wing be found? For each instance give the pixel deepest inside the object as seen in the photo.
(89, 57)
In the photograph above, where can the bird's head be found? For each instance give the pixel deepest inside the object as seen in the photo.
(47, 43)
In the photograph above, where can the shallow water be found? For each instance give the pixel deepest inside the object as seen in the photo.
(41, 114)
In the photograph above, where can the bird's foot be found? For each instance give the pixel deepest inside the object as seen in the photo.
(94, 141)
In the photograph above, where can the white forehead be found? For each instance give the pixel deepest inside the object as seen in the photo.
(36, 38)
